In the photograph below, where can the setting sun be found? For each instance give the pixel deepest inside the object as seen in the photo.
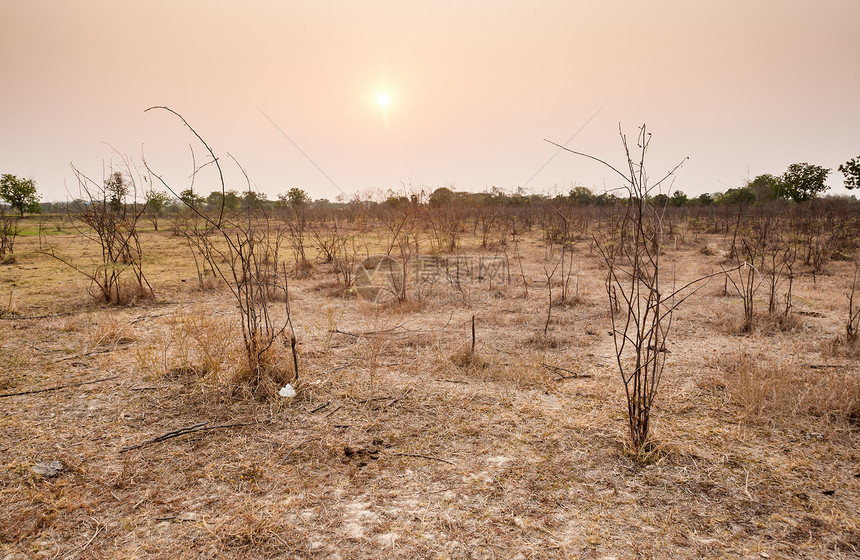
(383, 99)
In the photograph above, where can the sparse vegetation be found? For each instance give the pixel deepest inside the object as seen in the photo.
(413, 435)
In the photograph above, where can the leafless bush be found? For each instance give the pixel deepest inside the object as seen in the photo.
(852, 325)
(822, 232)
(634, 278)
(745, 281)
(446, 226)
(241, 249)
(296, 220)
(398, 238)
(107, 213)
(780, 257)
(8, 232)
(563, 234)
(335, 245)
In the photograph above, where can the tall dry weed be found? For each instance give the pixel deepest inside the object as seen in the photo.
(191, 343)
(111, 332)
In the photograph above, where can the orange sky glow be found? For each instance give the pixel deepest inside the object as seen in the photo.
(293, 90)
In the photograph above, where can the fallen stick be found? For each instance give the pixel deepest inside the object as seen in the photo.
(557, 369)
(201, 427)
(419, 456)
(374, 399)
(88, 354)
(406, 392)
(333, 411)
(320, 407)
(369, 333)
(13, 317)
(58, 387)
(175, 518)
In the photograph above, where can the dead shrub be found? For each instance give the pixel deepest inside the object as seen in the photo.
(774, 323)
(107, 215)
(9, 230)
(273, 371)
(242, 249)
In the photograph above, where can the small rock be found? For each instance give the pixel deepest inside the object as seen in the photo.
(48, 470)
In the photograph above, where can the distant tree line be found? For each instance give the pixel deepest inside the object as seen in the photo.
(801, 182)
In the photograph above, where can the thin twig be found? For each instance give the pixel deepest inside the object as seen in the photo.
(201, 427)
(473, 335)
(13, 317)
(557, 369)
(57, 388)
(406, 392)
(143, 317)
(344, 366)
(98, 530)
(335, 410)
(176, 518)
(369, 333)
(320, 407)
(430, 457)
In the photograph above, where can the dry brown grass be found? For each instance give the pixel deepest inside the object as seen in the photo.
(394, 449)
(767, 387)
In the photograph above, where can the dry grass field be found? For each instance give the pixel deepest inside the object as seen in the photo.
(401, 442)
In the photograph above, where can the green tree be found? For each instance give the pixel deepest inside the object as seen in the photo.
(765, 187)
(116, 189)
(737, 196)
(851, 170)
(156, 202)
(440, 196)
(231, 200)
(679, 198)
(659, 200)
(581, 196)
(20, 194)
(190, 198)
(253, 198)
(296, 197)
(704, 199)
(803, 181)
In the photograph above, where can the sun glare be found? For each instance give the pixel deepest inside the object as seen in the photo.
(383, 99)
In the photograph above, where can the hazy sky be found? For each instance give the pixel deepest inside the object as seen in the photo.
(741, 87)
